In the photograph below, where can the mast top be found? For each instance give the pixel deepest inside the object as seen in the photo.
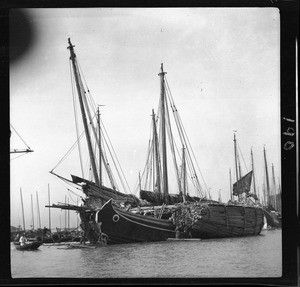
(162, 73)
(70, 47)
(69, 41)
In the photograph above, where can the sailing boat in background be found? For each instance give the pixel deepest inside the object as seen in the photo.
(242, 186)
(272, 198)
(16, 230)
(29, 243)
(110, 216)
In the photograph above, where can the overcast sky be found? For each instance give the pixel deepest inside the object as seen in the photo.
(222, 67)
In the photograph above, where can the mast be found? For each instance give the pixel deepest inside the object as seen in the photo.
(100, 152)
(184, 172)
(68, 216)
(140, 184)
(230, 186)
(65, 213)
(236, 163)
(220, 197)
(38, 210)
(77, 214)
(22, 210)
(254, 186)
(267, 178)
(32, 213)
(158, 180)
(49, 207)
(163, 127)
(84, 117)
(274, 188)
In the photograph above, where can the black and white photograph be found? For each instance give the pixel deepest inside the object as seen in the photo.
(146, 142)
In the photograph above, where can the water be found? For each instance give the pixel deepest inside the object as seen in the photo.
(255, 256)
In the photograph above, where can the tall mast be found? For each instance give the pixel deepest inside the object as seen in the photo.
(84, 117)
(49, 207)
(236, 163)
(163, 127)
(77, 214)
(230, 186)
(38, 210)
(140, 183)
(267, 177)
(65, 213)
(274, 188)
(254, 186)
(184, 172)
(32, 215)
(68, 216)
(158, 181)
(22, 210)
(100, 152)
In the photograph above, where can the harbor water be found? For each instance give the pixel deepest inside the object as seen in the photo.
(255, 256)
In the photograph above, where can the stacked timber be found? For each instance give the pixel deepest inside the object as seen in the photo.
(218, 220)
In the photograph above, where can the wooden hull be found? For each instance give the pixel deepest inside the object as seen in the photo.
(211, 221)
(28, 246)
(221, 221)
(126, 227)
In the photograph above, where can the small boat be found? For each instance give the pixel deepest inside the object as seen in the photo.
(31, 245)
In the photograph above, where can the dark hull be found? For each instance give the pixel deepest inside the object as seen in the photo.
(220, 221)
(28, 246)
(126, 227)
(204, 221)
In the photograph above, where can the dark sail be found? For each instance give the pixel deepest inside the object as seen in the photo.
(156, 198)
(243, 185)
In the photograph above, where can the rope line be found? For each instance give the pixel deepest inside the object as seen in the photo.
(19, 136)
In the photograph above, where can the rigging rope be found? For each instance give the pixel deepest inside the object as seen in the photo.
(19, 156)
(184, 136)
(242, 156)
(115, 156)
(171, 142)
(69, 190)
(89, 103)
(69, 151)
(76, 121)
(19, 136)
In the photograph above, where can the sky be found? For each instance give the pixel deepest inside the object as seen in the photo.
(222, 68)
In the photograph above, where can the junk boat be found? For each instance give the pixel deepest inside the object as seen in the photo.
(156, 215)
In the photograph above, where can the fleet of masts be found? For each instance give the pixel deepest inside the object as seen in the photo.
(66, 225)
(158, 160)
(271, 197)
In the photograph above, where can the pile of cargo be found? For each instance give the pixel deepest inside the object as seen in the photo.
(218, 220)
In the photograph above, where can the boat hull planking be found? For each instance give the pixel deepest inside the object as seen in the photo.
(126, 227)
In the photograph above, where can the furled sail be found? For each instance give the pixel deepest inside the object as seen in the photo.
(243, 185)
